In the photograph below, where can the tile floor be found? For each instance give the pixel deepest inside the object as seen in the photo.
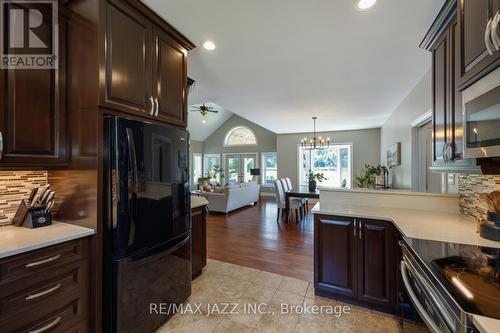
(237, 287)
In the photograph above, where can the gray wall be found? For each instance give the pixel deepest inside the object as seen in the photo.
(196, 147)
(398, 129)
(365, 149)
(266, 139)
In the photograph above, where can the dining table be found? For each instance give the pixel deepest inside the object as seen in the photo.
(301, 191)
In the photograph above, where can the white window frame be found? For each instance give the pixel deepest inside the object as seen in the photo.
(195, 179)
(231, 131)
(205, 156)
(262, 168)
(299, 164)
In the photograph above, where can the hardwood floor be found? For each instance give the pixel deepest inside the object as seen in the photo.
(251, 237)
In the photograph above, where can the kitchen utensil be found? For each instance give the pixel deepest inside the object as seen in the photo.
(48, 198)
(32, 194)
(487, 201)
(43, 198)
(495, 197)
(41, 192)
(49, 206)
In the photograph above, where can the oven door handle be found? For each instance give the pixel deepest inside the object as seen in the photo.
(419, 307)
(437, 303)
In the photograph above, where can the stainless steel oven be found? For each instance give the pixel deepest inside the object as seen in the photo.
(435, 306)
(481, 111)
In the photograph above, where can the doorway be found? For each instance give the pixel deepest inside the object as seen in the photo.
(428, 181)
(238, 167)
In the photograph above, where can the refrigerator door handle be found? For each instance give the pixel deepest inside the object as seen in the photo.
(133, 160)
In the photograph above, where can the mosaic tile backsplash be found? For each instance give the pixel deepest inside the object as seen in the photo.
(15, 186)
(469, 188)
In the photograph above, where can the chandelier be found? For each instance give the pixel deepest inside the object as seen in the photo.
(315, 142)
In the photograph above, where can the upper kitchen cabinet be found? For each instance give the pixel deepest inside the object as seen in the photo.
(170, 79)
(145, 64)
(476, 28)
(443, 41)
(128, 67)
(33, 110)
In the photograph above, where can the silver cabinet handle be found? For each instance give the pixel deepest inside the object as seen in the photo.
(43, 293)
(487, 38)
(48, 326)
(43, 261)
(494, 31)
(151, 100)
(355, 227)
(1, 145)
(360, 229)
(157, 104)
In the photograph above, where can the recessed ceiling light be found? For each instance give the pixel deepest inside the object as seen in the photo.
(203, 121)
(365, 4)
(209, 45)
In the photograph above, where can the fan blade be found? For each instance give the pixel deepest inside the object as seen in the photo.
(213, 111)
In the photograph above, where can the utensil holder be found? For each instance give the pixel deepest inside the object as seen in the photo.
(493, 217)
(31, 217)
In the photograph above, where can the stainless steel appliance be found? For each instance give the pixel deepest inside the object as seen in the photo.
(449, 283)
(481, 111)
(147, 223)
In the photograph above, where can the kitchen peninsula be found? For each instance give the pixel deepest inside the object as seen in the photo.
(358, 239)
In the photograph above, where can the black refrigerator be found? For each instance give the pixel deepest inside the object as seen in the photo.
(147, 231)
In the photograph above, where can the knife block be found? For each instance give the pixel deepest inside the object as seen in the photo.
(31, 217)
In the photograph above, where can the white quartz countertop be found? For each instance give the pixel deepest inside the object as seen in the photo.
(486, 325)
(15, 240)
(387, 191)
(415, 223)
(197, 201)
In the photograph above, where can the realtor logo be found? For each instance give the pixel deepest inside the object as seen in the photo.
(29, 34)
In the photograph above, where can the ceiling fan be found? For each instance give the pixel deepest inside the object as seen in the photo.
(203, 109)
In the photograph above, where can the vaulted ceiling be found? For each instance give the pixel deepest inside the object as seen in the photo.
(279, 62)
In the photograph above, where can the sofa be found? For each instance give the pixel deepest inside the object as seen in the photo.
(231, 197)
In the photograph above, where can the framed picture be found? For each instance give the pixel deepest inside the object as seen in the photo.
(394, 154)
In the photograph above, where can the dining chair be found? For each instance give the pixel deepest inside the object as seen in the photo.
(295, 204)
(287, 185)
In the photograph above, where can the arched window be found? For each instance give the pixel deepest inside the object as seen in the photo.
(240, 136)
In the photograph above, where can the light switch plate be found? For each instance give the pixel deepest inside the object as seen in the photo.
(451, 179)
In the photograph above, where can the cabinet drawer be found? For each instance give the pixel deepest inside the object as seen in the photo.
(33, 262)
(68, 280)
(48, 317)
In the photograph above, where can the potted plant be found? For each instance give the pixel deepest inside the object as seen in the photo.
(370, 176)
(216, 173)
(313, 178)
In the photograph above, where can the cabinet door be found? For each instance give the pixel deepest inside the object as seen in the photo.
(169, 79)
(455, 100)
(335, 253)
(475, 61)
(440, 77)
(198, 241)
(127, 58)
(33, 114)
(376, 263)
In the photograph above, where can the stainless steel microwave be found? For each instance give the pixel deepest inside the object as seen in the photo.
(481, 111)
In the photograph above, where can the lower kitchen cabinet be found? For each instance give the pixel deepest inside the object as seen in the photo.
(355, 259)
(198, 240)
(46, 290)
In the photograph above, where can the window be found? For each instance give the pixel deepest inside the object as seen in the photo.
(211, 161)
(197, 171)
(240, 136)
(335, 163)
(269, 169)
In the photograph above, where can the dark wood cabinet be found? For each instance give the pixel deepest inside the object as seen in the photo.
(50, 284)
(376, 262)
(169, 79)
(474, 59)
(33, 114)
(335, 255)
(128, 60)
(355, 259)
(145, 65)
(198, 240)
